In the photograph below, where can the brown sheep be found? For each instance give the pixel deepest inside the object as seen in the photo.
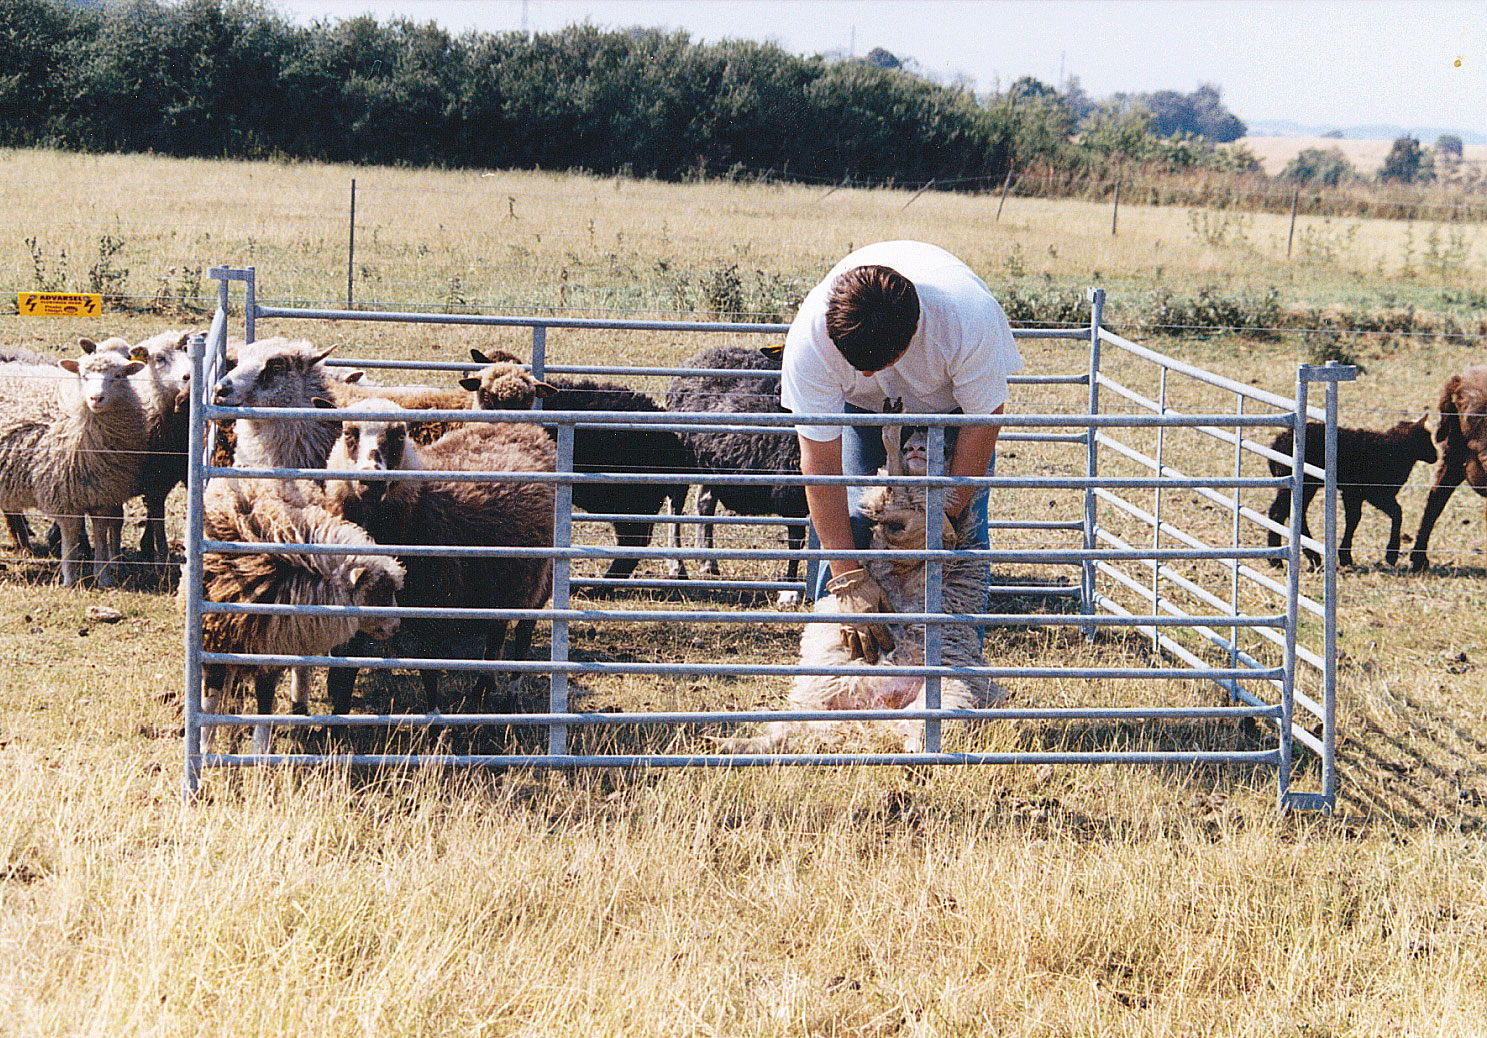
(1463, 431)
(1371, 467)
(475, 514)
(270, 511)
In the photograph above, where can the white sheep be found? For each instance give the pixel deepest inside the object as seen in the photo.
(279, 372)
(73, 446)
(898, 517)
(271, 511)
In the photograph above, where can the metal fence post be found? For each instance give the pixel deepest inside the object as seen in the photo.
(1293, 585)
(250, 302)
(557, 699)
(934, 585)
(1087, 578)
(195, 487)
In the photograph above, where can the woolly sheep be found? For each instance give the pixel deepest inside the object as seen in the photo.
(485, 514)
(1463, 433)
(72, 447)
(275, 512)
(607, 448)
(747, 452)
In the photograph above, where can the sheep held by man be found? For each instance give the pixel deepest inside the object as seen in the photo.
(898, 516)
(609, 448)
(743, 452)
(463, 514)
(285, 512)
(1463, 434)
(1371, 467)
(73, 446)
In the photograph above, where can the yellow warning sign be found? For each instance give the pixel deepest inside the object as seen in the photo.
(60, 304)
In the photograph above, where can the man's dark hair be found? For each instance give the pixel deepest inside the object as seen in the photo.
(871, 314)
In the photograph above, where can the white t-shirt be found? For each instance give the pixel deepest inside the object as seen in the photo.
(960, 355)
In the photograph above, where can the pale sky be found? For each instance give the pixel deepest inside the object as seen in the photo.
(1331, 63)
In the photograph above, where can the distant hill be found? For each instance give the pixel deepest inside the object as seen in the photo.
(1367, 156)
(1375, 132)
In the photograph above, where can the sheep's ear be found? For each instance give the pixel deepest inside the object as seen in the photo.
(318, 357)
(471, 383)
(183, 341)
(320, 401)
(354, 375)
(134, 367)
(545, 390)
(87, 345)
(476, 355)
(70, 365)
(357, 574)
(774, 352)
(138, 353)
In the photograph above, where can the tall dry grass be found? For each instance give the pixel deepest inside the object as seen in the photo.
(1011, 900)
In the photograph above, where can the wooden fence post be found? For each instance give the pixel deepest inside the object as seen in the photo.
(1291, 237)
(1114, 213)
(1003, 200)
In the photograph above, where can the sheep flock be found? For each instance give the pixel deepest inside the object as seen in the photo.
(83, 435)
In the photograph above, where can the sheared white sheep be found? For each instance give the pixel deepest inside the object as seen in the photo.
(898, 523)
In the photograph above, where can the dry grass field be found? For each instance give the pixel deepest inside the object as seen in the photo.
(1017, 900)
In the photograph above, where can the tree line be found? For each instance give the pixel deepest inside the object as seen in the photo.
(215, 78)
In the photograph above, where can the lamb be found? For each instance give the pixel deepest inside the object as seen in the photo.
(167, 374)
(276, 512)
(20, 531)
(451, 513)
(1371, 467)
(1463, 431)
(752, 452)
(73, 447)
(898, 522)
(606, 448)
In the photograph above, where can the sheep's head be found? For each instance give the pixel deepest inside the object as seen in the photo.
(167, 364)
(504, 385)
(897, 515)
(371, 446)
(273, 373)
(103, 379)
(375, 581)
(915, 448)
(1417, 440)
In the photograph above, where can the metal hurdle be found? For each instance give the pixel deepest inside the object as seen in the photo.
(1253, 654)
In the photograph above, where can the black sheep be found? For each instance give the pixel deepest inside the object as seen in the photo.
(759, 452)
(1371, 466)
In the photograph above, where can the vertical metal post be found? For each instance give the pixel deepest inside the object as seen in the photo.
(195, 486)
(557, 700)
(250, 303)
(539, 352)
(1234, 542)
(1329, 601)
(1156, 529)
(351, 248)
(934, 586)
(1293, 586)
(1092, 468)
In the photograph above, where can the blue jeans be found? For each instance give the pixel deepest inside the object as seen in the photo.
(862, 455)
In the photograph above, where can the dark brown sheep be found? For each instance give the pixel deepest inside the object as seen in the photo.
(1463, 431)
(1371, 467)
(468, 514)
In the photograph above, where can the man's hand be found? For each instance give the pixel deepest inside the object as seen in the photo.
(858, 592)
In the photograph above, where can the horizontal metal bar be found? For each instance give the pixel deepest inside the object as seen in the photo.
(734, 617)
(699, 717)
(690, 419)
(726, 479)
(727, 669)
(1006, 555)
(740, 760)
(1197, 373)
